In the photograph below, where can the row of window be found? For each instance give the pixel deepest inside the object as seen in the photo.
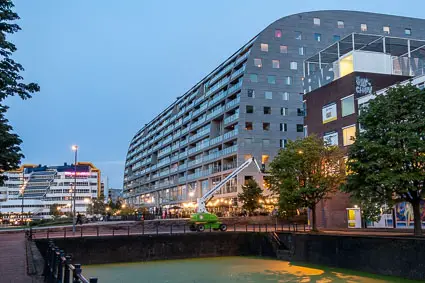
(329, 112)
(283, 127)
(283, 49)
(271, 79)
(267, 110)
(340, 24)
(348, 136)
(275, 64)
(269, 94)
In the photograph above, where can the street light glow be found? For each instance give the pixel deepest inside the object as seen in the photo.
(74, 147)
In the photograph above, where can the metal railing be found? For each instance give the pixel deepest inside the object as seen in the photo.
(154, 228)
(58, 268)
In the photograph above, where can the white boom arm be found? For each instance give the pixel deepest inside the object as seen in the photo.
(203, 200)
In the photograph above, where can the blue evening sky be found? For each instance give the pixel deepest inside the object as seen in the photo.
(106, 67)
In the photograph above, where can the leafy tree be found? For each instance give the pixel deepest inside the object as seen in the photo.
(10, 85)
(55, 209)
(250, 196)
(387, 160)
(97, 207)
(306, 172)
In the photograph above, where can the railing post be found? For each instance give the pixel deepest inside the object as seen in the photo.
(64, 232)
(113, 231)
(47, 233)
(259, 227)
(67, 271)
(304, 227)
(97, 231)
(60, 267)
(266, 227)
(81, 231)
(184, 228)
(128, 230)
(75, 273)
(143, 227)
(157, 229)
(234, 227)
(246, 228)
(171, 229)
(275, 227)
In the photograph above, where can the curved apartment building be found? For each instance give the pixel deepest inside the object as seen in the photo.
(250, 105)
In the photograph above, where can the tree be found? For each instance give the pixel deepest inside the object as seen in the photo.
(96, 207)
(306, 172)
(251, 196)
(55, 209)
(10, 85)
(387, 159)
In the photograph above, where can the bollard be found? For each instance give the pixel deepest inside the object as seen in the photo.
(210, 228)
(253, 227)
(67, 271)
(296, 227)
(281, 225)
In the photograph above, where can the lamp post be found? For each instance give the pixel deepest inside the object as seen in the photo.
(75, 149)
(22, 193)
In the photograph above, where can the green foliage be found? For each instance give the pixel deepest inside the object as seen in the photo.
(305, 172)
(55, 209)
(97, 206)
(387, 160)
(250, 196)
(10, 85)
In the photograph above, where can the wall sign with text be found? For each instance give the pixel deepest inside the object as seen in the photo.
(363, 86)
(329, 113)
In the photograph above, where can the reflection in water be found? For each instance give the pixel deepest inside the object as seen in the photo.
(226, 269)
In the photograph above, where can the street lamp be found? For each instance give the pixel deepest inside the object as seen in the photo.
(75, 149)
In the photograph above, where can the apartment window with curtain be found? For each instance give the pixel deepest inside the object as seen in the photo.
(278, 33)
(316, 21)
(283, 127)
(340, 24)
(348, 135)
(266, 126)
(248, 126)
(347, 105)
(284, 111)
(408, 31)
(288, 80)
(283, 143)
(268, 95)
(275, 64)
(298, 35)
(293, 65)
(253, 78)
(284, 49)
(285, 95)
(258, 63)
(386, 29)
(317, 37)
(301, 50)
(363, 27)
(267, 110)
(271, 79)
(264, 47)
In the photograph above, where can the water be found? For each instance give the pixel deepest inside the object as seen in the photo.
(226, 269)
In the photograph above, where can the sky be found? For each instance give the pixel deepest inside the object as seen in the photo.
(107, 67)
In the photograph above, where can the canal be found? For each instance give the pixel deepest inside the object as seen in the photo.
(226, 269)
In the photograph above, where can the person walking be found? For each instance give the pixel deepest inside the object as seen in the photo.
(79, 220)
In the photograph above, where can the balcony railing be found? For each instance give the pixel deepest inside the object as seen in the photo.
(229, 150)
(182, 179)
(238, 72)
(217, 98)
(235, 87)
(217, 86)
(231, 119)
(233, 102)
(216, 140)
(200, 110)
(243, 57)
(230, 134)
(216, 112)
(221, 73)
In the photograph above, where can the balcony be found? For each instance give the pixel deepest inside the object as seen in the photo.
(183, 143)
(221, 73)
(182, 179)
(217, 98)
(174, 169)
(183, 167)
(183, 154)
(199, 134)
(231, 119)
(216, 112)
(238, 72)
(174, 158)
(164, 173)
(185, 131)
(235, 87)
(231, 134)
(233, 103)
(187, 118)
(243, 57)
(200, 110)
(194, 162)
(216, 140)
(217, 86)
(199, 100)
(230, 150)
(197, 123)
(176, 146)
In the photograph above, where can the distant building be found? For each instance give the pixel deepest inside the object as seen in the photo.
(34, 189)
(114, 194)
(342, 78)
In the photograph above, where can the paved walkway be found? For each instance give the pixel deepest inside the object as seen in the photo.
(13, 266)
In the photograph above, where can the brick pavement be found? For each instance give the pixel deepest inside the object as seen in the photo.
(13, 265)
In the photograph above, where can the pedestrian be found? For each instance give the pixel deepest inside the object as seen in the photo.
(79, 221)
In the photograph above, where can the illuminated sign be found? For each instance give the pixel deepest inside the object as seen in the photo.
(329, 113)
(78, 173)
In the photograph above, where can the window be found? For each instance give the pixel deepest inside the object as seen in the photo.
(363, 27)
(275, 64)
(316, 21)
(248, 140)
(266, 142)
(336, 38)
(348, 134)
(340, 24)
(264, 47)
(301, 50)
(249, 109)
(408, 31)
(278, 33)
(298, 35)
(317, 37)
(329, 113)
(300, 128)
(293, 65)
(331, 138)
(283, 49)
(268, 95)
(248, 126)
(283, 127)
(251, 93)
(305, 131)
(347, 105)
(284, 111)
(264, 159)
(267, 110)
(266, 126)
(253, 78)
(386, 29)
(285, 96)
(300, 112)
(288, 80)
(257, 63)
(283, 143)
(271, 79)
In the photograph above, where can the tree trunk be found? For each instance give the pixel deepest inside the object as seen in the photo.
(313, 218)
(417, 218)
